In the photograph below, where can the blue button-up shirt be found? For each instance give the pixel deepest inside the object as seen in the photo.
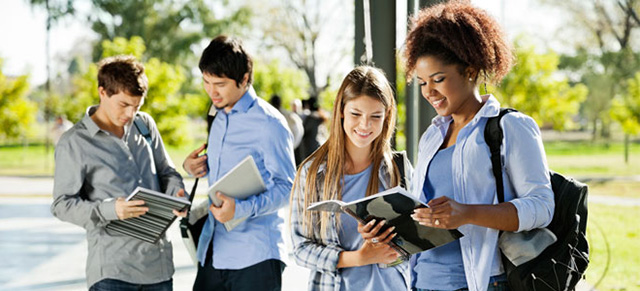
(252, 127)
(525, 172)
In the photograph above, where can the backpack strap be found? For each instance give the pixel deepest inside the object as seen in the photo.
(211, 116)
(398, 159)
(493, 136)
(144, 130)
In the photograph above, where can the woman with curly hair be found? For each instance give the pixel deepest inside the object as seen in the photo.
(452, 48)
(356, 161)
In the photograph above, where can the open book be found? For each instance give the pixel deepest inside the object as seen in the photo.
(394, 205)
(151, 226)
(240, 182)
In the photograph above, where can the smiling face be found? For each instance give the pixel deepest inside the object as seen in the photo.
(363, 122)
(117, 110)
(224, 92)
(444, 86)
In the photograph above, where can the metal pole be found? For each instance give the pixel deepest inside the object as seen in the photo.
(419, 113)
(383, 36)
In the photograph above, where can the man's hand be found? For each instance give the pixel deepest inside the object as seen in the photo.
(183, 213)
(195, 164)
(226, 210)
(129, 209)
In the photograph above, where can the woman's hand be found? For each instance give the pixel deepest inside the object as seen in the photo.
(374, 249)
(374, 253)
(443, 212)
(370, 231)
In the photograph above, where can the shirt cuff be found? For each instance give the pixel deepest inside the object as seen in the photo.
(108, 210)
(243, 209)
(524, 221)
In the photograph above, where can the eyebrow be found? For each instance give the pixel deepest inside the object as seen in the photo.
(360, 111)
(436, 73)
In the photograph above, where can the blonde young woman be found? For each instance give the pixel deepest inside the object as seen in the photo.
(356, 161)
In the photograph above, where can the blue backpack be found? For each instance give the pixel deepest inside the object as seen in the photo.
(561, 265)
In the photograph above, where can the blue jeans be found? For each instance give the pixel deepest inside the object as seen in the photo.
(496, 286)
(497, 283)
(266, 275)
(117, 285)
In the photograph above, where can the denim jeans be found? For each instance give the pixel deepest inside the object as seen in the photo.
(117, 285)
(266, 275)
(496, 286)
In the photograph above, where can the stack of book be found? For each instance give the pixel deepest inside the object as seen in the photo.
(151, 226)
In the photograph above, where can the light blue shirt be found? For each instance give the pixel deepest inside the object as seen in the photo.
(525, 172)
(369, 277)
(252, 127)
(440, 268)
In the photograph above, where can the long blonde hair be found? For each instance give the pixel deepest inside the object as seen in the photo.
(360, 82)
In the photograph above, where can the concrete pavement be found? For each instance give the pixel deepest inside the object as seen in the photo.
(40, 252)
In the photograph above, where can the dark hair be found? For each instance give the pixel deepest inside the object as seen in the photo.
(276, 101)
(122, 74)
(458, 33)
(225, 57)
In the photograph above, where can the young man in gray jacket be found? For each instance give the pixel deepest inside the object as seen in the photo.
(101, 160)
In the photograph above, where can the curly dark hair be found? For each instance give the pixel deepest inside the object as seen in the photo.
(459, 33)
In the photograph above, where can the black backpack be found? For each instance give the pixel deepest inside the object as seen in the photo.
(561, 265)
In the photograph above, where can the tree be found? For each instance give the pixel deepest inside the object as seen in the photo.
(297, 28)
(272, 78)
(626, 111)
(534, 87)
(170, 28)
(17, 113)
(605, 35)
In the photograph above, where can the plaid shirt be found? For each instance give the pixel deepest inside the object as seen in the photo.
(321, 255)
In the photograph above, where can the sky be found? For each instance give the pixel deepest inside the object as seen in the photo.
(23, 33)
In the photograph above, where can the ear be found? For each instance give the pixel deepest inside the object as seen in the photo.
(245, 80)
(102, 92)
(471, 73)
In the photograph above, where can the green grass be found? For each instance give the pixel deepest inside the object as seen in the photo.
(584, 159)
(26, 161)
(613, 234)
(35, 160)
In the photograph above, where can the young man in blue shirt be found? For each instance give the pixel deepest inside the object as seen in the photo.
(249, 257)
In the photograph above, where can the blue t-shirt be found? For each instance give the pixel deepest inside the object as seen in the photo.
(369, 277)
(440, 268)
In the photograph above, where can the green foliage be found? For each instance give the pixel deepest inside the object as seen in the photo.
(271, 78)
(170, 28)
(17, 113)
(534, 87)
(626, 110)
(122, 46)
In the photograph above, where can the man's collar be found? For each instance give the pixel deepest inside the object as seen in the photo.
(93, 128)
(245, 102)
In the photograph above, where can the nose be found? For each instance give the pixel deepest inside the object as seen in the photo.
(426, 90)
(365, 122)
(210, 90)
(132, 111)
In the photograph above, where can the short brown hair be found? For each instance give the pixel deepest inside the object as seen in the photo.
(122, 74)
(458, 33)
